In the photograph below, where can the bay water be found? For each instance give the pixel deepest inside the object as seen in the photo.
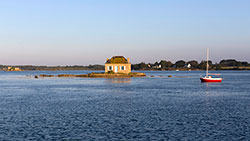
(157, 107)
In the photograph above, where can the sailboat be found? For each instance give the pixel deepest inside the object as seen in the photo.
(208, 77)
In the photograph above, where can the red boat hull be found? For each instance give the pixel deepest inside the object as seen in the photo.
(211, 79)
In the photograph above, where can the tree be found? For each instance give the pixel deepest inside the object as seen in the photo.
(244, 64)
(193, 63)
(163, 64)
(156, 63)
(203, 65)
(180, 64)
(169, 64)
(142, 65)
(229, 63)
(217, 66)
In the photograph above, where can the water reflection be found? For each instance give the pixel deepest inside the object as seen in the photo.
(118, 80)
(210, 89)
(207, 89)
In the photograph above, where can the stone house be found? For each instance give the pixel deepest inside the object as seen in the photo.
(118, 64)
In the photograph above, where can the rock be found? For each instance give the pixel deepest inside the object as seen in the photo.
(45, 75)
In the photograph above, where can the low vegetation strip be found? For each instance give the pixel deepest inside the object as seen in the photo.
(97, 75)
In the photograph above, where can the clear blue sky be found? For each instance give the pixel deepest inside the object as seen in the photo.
(82, 32)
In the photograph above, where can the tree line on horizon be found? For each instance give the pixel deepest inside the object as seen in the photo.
(52, 68)
(229, 64)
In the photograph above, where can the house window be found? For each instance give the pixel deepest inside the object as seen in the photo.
(122, 67)
(110, 68)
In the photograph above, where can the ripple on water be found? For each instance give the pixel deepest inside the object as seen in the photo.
(156, 108)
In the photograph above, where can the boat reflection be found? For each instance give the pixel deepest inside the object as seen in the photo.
(118, 80)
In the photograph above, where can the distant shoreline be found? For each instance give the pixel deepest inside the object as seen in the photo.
(248, 69)
(53, 68)
(23, 68)
(163, 65)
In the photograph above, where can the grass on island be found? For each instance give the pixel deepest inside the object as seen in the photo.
(98, 75)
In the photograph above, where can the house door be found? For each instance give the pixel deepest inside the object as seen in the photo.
(116, 68)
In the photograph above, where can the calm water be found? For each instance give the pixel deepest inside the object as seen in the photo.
(152, 108)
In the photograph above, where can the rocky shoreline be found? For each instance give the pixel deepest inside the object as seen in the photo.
(96, 75)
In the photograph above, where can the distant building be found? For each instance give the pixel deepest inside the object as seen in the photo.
(13, 69)
(156, 67)
(118, 64)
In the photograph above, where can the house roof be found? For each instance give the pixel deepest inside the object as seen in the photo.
(117, 60)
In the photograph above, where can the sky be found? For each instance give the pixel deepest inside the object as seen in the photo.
(83, 32)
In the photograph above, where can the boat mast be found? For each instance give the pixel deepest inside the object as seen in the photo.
(207, 62)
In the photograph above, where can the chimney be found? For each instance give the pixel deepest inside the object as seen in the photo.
(128, 60)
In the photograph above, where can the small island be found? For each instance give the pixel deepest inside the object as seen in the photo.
(116, 67)
(96, 75)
